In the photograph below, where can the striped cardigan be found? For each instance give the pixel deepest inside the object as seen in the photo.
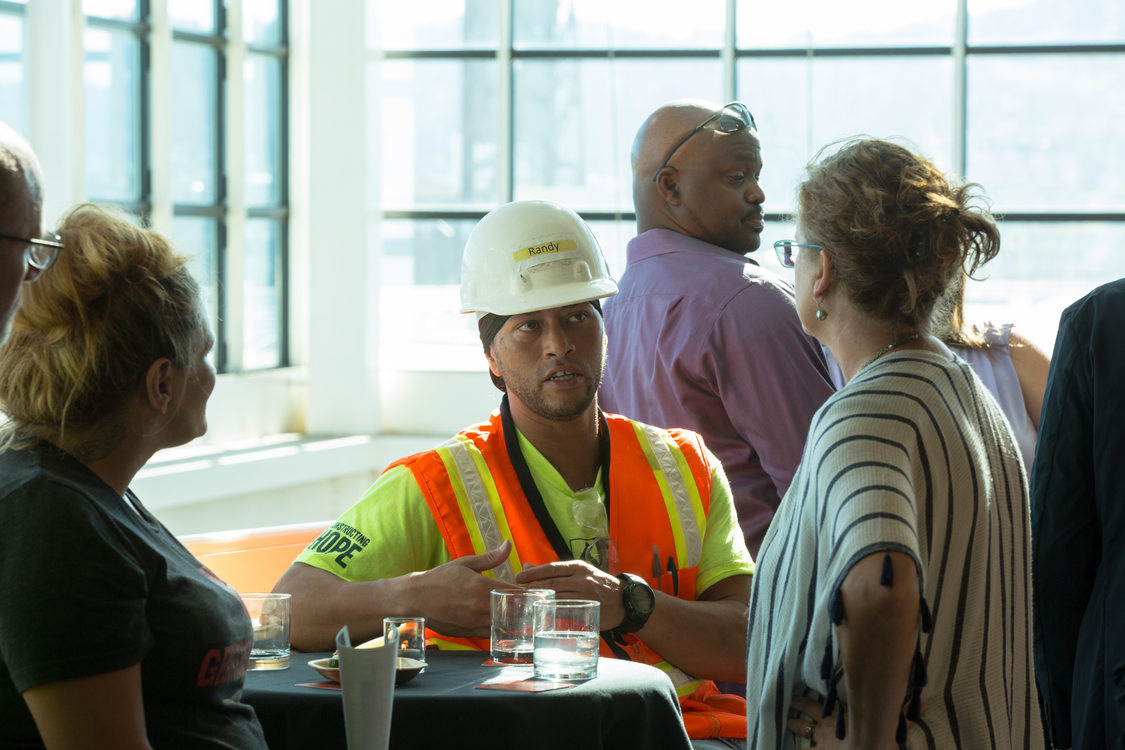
(914, 456)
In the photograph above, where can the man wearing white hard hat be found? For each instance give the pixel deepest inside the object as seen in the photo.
(549, 490)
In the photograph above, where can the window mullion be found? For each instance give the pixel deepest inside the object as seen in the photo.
(161, 92)
(729, 52)
(54, 78)
(507, 108)
(960, 88)
(233, 177)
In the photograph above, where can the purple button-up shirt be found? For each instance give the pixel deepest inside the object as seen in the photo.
(704, 338)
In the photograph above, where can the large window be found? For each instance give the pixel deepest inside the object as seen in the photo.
(185, 127)
(177, 111)
(116, 160)
(476, 110)
(265, 186)
(326, 196)
(198, 119)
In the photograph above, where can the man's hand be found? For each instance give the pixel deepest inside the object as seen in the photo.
(454, 597)
(576, 579)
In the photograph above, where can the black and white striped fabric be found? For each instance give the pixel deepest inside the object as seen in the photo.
(912, 455)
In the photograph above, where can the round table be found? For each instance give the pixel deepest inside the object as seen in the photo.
(627, 705)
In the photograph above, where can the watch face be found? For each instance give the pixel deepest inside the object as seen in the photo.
(639, 601)
(641, 598)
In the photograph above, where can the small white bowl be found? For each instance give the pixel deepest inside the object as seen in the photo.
(321, 665)
(407, 669)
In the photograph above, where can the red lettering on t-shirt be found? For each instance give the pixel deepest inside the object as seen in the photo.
(222, 666)
(209, 668)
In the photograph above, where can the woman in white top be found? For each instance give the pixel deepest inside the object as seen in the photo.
(896, 573)
(1012, 367)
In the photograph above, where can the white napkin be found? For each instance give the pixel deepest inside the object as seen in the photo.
(367, 676)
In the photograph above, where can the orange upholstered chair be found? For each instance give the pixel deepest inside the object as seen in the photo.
(251, 560)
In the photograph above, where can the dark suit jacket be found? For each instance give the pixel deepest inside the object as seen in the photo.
(1078, 527)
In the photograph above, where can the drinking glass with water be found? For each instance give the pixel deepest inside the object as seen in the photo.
(566, 639)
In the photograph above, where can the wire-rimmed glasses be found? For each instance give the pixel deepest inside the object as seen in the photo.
(731, 118)
(787, 251)
(42, 251)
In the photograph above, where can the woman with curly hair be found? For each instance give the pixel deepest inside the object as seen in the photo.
(895, 575)
(111, 633)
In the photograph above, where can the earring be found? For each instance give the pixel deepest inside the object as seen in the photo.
(820, 314)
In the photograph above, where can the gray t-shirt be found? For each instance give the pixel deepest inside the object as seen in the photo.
(90, 585)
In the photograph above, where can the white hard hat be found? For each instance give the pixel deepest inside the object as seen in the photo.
(531, 255)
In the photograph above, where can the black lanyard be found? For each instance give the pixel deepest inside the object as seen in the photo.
(512, 442)
(531, 491)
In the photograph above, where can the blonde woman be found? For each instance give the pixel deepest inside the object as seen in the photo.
(111, 633)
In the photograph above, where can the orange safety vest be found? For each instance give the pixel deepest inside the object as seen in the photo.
(663, 483)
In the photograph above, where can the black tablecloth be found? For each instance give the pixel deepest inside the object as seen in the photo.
(627, 705)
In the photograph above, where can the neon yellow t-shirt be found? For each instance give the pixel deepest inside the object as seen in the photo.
(390, 532)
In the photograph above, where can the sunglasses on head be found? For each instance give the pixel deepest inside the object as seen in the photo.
(731, 118)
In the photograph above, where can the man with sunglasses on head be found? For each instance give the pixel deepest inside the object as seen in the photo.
(700, 336)
(23, 254)
(549, 491)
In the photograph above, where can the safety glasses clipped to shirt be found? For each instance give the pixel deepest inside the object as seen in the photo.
(598, 548)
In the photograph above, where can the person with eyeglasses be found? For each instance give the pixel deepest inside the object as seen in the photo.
(891, 604)
(112, 634)
(700, 335)
(23, 253)
(550, 491)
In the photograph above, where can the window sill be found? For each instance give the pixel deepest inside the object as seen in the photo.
(199, 474)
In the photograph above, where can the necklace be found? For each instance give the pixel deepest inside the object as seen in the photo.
(893, 345)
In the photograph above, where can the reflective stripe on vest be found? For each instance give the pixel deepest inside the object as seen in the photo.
(487, 524)
(476, 505)
(684, 683)
(681, 494)
(476, 494)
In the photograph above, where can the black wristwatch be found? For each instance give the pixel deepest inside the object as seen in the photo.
(639, 602)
